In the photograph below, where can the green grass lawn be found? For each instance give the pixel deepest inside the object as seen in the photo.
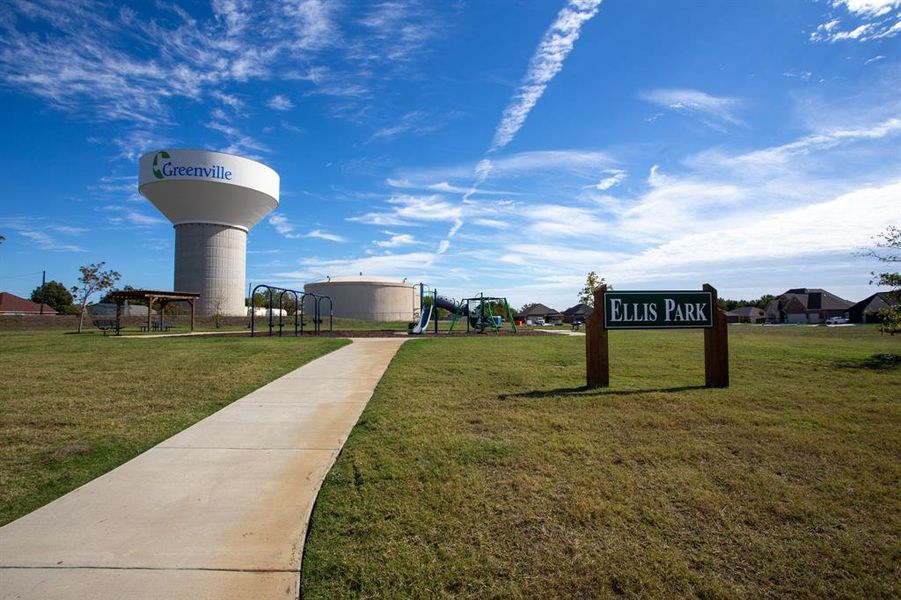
(72, 407)
(481, 468)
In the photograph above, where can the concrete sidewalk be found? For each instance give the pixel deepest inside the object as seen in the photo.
(219, 510)
(561, 332)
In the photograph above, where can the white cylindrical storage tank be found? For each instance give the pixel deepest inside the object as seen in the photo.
(368, 298)
(212, 199)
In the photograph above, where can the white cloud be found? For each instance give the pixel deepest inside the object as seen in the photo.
(396, 240)
(127, 216)
(443, 186)
(45, 241)
(238, 141)
(712, 110)
(288, 230)
(870, 8)
(229, 100)
(379, 218)
(406, 209)
(416, 122)
(841, 225)
(386, 265)
(69, 230)
(555, 220)
(36, 230)
(584, 163)
(107, 63)
(492, 223)
(547, 61)
(869, 20)
(322, 235)
(280, 102)
(828, 138)
(614, 178)
(555, 254)
(398, 32)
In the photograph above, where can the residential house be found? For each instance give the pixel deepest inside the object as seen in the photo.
(539, 312)
(577, 314)
(10, 304)
(867, 310)
(806, 305)
(746, 314)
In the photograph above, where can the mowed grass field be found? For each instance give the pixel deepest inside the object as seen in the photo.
(481, 468)
(72, 407)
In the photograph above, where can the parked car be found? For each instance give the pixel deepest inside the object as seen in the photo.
(837, 321)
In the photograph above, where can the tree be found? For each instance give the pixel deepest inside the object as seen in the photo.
(592, 282)
(888, 250)
(106, 298)
(93, 279)
(764, 300)
(55, 295)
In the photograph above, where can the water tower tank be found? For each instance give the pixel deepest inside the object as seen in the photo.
(212, 199)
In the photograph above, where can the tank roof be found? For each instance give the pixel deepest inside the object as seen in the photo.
(360, 279)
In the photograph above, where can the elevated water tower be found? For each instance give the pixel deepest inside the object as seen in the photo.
(212, 199)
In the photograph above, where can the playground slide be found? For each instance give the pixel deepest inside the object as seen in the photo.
(424, 320)
(446, 304)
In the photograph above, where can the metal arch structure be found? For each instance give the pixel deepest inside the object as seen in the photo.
(318, 317)
(281, 299)
(271, 290)
(299, 321)
(317, 312)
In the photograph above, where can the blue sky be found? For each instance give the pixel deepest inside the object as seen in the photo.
(500, 146)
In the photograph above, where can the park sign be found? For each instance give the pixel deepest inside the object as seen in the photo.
(658, 310)
(692, 309)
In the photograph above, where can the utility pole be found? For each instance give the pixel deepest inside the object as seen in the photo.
(43, 289)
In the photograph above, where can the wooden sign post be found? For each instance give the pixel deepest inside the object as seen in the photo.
(687, 309)
(597, 356)
(716, 347)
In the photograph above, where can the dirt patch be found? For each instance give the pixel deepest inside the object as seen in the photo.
(71, 450)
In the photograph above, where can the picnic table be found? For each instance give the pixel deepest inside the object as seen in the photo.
(158, 326)
(106, 325)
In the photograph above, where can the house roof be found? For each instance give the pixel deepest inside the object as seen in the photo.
(876, 302)
(746, 311)
(580, 309)
(10, 304)
(537, 310)
(813, 299)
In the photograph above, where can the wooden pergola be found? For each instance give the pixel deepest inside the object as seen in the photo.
(151, 296)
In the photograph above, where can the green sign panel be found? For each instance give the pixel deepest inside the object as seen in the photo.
(658, 310)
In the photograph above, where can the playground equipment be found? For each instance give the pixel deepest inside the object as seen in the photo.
(299, 322)
(479, 312)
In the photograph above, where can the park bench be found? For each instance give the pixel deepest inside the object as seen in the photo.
(157, 326)
(107, 325)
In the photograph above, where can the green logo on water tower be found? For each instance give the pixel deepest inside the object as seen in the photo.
(156, 170)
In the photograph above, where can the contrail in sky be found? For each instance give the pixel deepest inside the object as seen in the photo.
(547, 61)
